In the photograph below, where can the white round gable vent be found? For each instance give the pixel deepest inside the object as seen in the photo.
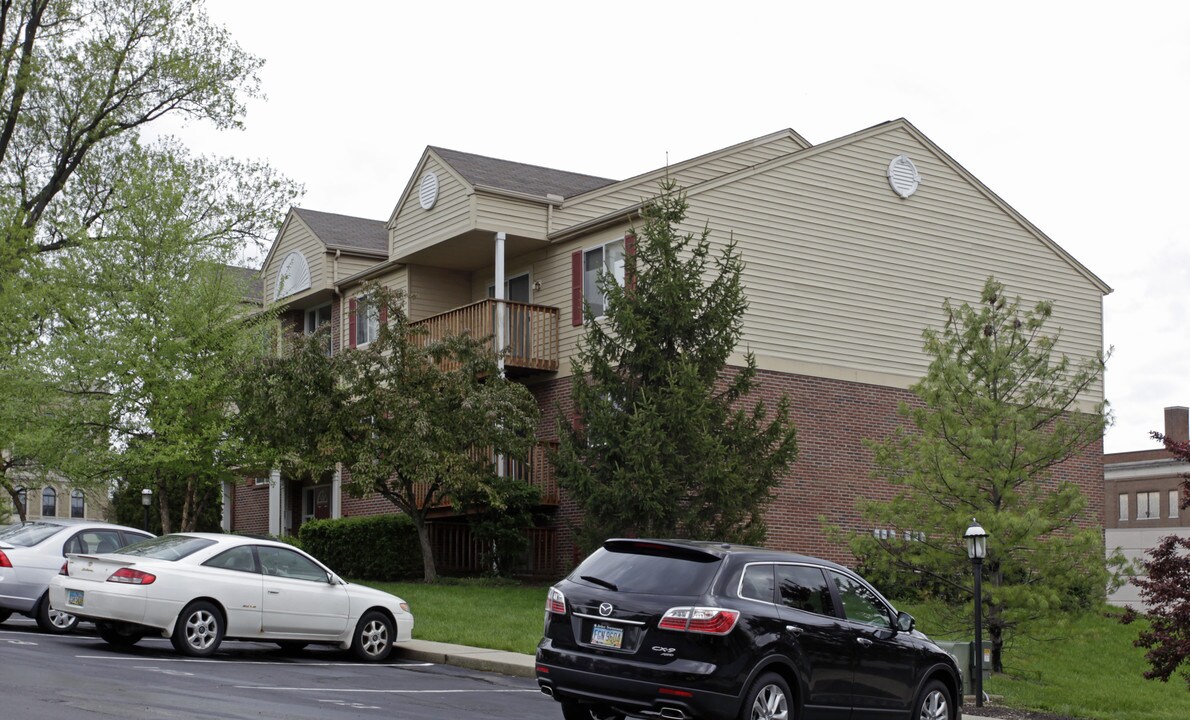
(429, 191)
(294, 275)
(903, 176)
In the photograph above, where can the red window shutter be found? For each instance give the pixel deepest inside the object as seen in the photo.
(351, 323)
(576, 288)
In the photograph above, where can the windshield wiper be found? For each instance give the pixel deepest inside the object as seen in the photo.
(600, 581)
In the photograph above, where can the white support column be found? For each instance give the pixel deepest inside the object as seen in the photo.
(228, 494)
(275, 502)
(500, 341)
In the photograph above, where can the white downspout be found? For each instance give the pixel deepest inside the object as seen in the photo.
(500, 322)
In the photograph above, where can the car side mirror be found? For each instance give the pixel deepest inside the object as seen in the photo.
(905, 622)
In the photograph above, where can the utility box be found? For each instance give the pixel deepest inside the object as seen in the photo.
(964, 653)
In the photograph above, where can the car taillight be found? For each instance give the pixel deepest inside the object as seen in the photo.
(132, 577)
(4, 561)
(707, 620)
(555, 602)
(64, 570)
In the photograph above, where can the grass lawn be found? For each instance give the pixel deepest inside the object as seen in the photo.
(1088, 669)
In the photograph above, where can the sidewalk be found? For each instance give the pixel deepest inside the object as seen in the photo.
(521, 665)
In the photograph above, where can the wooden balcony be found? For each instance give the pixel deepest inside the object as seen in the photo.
(530, 335)
(537, 471)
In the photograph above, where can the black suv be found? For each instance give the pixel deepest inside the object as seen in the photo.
(678, 629)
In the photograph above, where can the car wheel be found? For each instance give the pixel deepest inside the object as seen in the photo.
(5, 614)
(51, 620)
(934, 702)
(768, 699)
(582, 711)
(373, 639)
(118, 635)
(199, 630)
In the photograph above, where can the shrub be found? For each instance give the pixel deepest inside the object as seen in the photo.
(377, 547)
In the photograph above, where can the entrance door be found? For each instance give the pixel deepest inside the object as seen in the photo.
(516, 318)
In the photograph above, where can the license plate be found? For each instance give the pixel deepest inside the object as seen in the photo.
(604, 636)
(74, 598)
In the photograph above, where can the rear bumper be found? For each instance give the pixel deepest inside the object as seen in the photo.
(101, 601)
(572, 677)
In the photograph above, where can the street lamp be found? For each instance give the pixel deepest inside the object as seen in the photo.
(146, 499)
(977, 550)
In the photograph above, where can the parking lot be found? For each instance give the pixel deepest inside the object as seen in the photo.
(71, 676)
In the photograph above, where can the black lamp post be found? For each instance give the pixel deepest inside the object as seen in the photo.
(977, 550)
(146, 499)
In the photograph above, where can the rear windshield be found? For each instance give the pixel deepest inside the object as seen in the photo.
(28, 534)
(649, 569)
(167, 547)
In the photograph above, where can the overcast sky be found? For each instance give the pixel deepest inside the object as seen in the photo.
(1073, 113)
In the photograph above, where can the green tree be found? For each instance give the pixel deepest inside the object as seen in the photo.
(415, 421)
(999, 412)
(663, 444)
(79, 81)
(145, 359)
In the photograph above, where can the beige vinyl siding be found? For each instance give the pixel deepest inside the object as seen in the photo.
(394, 280)
(509, 215)
(841, 272)
(630, 192)
(299, 238)
(415, 229)
(349, 265)
(435, 290)
(484, 278)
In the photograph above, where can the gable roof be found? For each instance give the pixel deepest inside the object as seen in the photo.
(252, 280)
(345, 231)
(481, 171)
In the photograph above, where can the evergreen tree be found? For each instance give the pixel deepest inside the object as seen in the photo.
(998, 412)
(663, 444)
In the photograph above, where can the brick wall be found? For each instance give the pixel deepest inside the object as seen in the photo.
(250, 508)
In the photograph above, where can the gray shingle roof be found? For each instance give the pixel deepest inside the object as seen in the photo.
(253, 282)
(346, 231)
(519, 177)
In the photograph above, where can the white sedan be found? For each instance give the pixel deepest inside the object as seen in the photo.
(199, 589)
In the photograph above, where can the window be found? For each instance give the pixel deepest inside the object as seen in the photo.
(94, 541)
(366, 321)
(49, 502)
(757, 583)
(1123, 506)
(860, 604)
(1148, 505)
(281, 562)
(77, 504)
(316, 318)
(804, 588)
(1175, 500)
(238, 558)
(607, 258)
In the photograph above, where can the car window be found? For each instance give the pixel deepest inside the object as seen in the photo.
(238, 558)
(757, 582)
(804, 588)
(634, 567)
(93, 541)
(859, 602)
(168, 547)
(29, 534)
(283, 562)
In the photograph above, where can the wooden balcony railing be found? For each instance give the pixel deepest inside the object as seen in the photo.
(530, 334)
(457, 551)
(537, 471)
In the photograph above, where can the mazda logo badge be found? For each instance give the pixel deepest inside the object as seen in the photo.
(605, 609)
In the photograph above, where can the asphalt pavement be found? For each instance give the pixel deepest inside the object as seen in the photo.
(521, 665)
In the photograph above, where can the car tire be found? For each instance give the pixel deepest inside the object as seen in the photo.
(768, 699)
(373, 639)
(583, 711)
(199, 630)
(53, 621)
(118, 635)
(934, 703)
(5, 614)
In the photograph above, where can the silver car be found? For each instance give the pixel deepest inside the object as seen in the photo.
(32, 553)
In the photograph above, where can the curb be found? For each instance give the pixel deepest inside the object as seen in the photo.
(498, 661)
